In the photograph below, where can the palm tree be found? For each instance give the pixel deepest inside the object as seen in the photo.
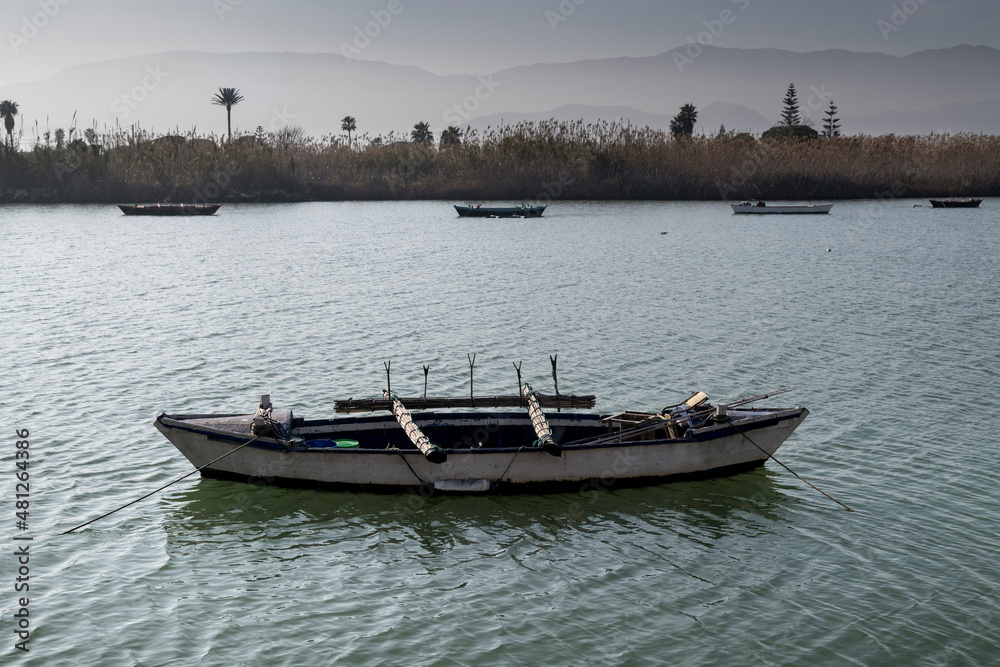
(422, 133)
(451, 137)
(228, 97)
(8, 110)
(348, 124)
(683, 123)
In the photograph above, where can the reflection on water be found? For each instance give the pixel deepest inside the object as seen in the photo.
(705, 508)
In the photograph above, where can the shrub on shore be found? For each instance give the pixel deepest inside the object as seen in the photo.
(790, 132)
(528, 161)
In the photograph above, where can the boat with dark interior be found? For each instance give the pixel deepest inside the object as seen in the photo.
(526, 443)
(169, 209)
(520, 211)
(956, 203)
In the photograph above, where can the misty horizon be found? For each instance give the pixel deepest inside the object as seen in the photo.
(447, 37)
(392, 63)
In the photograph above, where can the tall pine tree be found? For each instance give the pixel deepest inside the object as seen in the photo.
(831, 127)
(790, 115)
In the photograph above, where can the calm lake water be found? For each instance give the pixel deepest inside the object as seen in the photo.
(882, 317)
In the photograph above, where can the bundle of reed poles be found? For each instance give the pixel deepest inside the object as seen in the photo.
(419, 403)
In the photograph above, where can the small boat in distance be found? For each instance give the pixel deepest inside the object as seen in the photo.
(540, 443)
(479, 211)
(956, 203)
(760, 208)
(169, 209)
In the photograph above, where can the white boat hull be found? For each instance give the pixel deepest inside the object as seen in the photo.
(778, 210)
(718, 447)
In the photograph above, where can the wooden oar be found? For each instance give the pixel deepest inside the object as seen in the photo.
(540, 423)
(431, 452)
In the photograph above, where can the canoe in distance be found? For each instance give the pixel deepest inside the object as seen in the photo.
(753, 209)
(956, 203)
(169, 209)
(500, 211)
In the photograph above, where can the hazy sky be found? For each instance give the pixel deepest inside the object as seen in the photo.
(41, 37)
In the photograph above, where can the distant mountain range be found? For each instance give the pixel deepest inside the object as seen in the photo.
(955, 89)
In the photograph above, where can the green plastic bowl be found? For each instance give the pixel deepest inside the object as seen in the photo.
(346, 444)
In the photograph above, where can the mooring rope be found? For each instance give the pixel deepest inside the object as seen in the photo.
(164, 486)
(771, 456)
(500, 478)
(403, 456)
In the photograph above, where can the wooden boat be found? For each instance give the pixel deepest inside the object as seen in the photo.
(500, 212)
(531, 448)
(754, 209)
(956, 203)
(169, 209)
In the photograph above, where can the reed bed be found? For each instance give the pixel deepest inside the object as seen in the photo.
(529, 161)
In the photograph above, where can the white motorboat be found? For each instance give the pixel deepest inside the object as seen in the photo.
(758, 209)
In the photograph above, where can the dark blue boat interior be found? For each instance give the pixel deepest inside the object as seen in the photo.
(446, 430)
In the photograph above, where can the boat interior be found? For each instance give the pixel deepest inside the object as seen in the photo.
(504, 430)
(477, 430)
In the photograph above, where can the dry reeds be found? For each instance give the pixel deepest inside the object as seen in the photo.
(528, 161)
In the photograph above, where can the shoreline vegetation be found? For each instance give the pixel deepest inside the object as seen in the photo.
(539, 162)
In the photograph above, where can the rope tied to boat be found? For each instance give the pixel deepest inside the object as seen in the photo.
(403, 456)
(263, 424)
(504, 473)
(771, 456)
(199, 469)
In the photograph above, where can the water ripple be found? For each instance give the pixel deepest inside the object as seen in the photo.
(886, 340)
